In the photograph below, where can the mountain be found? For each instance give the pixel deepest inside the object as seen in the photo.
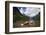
(37, 17)
(17, 15)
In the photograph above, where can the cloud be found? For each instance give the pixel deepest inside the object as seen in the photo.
(30, 11)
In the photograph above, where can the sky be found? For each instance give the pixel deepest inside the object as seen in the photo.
(29, 11)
